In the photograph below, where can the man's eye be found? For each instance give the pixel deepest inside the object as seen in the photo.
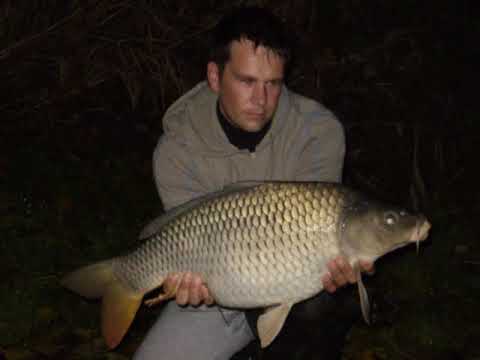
(274, 83)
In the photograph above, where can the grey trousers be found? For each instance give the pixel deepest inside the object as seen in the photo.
(201, 333)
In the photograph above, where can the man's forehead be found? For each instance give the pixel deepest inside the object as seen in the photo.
(244, 52)
(246, 46)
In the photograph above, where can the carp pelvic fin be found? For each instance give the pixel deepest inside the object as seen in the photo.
(271, 322)
(362, 292)
(119, 307)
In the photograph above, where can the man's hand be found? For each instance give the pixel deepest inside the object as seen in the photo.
(340, 273)
(191, 290)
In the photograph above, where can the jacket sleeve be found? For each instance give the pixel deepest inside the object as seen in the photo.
(174, 174)
(174, 178)
(322, 156)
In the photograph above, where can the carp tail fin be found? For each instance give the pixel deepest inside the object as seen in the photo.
(119, 307)
(119, 302)
(90, 281)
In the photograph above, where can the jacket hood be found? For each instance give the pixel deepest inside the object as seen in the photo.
(192, 122)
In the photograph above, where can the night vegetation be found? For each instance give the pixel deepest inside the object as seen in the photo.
(84, 84)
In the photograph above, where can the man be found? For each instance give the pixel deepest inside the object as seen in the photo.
(243, 124)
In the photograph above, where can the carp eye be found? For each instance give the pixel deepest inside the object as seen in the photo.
(390, 218)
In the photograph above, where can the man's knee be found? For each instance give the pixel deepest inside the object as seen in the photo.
(195, 333)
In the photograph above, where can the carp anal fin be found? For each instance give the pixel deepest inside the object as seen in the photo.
(271, 322)
(167, 295)
(119, 307)
(362, 292)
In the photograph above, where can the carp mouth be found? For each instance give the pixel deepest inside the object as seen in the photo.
(420, 232)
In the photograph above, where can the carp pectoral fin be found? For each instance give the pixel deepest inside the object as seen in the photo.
(271, 322)
(362, 292)
(119, 307)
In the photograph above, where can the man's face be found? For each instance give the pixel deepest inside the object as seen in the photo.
(249, 86)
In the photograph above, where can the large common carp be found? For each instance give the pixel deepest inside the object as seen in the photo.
(261, 245)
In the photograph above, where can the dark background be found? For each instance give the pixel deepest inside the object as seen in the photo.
(84, 84)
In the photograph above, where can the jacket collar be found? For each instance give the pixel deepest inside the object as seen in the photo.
(205, 123)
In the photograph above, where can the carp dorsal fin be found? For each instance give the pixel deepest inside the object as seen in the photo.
(271, 322)
(156, 224)
(242, 185)
(362, 292)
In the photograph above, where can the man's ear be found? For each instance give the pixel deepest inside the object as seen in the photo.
(213, 76)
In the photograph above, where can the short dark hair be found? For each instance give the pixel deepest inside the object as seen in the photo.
(253, 23)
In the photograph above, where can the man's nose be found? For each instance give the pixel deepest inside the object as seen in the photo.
(260, 94)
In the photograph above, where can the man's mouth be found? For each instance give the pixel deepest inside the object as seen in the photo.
(256, 114)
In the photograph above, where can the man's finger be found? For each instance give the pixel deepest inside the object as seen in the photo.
(368, 267)
(183, 291)
(336, 273)
(328, 283)
(207, 298)
(195, 294)
(170, 282)
(346, 270)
